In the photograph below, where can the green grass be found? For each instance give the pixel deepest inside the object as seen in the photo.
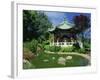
(52, 63)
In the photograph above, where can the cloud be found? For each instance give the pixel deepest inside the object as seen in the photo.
(55, 17)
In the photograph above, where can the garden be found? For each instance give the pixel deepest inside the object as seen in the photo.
(45, 56)
(37, 51)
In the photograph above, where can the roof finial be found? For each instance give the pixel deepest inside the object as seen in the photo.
(64, 19)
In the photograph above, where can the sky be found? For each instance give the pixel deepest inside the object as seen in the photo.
(57, 17)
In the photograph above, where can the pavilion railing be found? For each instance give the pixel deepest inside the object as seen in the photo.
(62, 43)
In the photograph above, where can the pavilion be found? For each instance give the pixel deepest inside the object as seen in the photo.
(64, 35)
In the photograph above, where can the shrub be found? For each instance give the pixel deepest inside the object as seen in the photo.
(32, 46)
(76, 47)
(58, 48)
(67, 49)
(47, 47)
(27, 54)
(27, 46)
(82, 50)
(87, 45)
(27, 64)
(54, 48)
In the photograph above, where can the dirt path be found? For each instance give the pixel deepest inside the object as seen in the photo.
(72, 53)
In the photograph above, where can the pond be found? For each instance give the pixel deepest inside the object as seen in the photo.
(58, 60)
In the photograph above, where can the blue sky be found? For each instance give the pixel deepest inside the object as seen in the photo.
(57, 17)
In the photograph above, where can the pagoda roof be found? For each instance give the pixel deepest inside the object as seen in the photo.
(65, 25)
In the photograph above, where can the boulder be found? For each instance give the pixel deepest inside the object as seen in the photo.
(28, 56)
(27, 64)
(53, 58)
(45, 60)
(61, 61)
(69, 57)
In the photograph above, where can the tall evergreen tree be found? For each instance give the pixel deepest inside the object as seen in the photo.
(35, 25)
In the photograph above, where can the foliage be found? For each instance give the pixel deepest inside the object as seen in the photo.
(32, 46)
(79, 50)
(67, 49)
(58, 48)
(27, 65)
(47, 47)
(35, 25)
(26, 50)
(81, 22)
(51, 37)
(87, 43)
(82, 50)
(54, 48)
(76, 46)
(27, 54)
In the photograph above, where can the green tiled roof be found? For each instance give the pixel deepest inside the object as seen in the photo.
(65, 25)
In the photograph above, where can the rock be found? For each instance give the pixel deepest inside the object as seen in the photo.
(53, 58)
(61, 61)
(28, 56)
(68, 57)
(26, 64)
(45, 60)
(39, 49)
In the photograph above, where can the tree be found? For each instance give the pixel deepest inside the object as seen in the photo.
(35, 25)
(82, 23)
